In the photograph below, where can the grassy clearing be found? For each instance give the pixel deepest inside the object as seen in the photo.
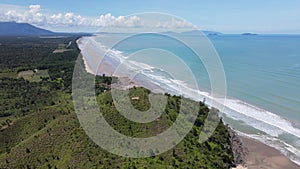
(33, 76)
(62, 48)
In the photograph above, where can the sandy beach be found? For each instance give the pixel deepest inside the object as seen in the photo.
(261, 156)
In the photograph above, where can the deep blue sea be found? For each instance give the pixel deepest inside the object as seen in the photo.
(262, 76)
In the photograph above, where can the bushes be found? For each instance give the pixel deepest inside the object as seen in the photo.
(214, 153)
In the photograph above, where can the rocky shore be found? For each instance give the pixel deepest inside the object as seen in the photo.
(240, 152)
(252, 154)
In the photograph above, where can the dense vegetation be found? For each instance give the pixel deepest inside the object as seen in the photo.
(39, 128)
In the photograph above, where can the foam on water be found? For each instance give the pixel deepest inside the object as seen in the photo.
(265, 121)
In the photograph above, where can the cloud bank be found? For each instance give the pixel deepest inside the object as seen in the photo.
(34, 15)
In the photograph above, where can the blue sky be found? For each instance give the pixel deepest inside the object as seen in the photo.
(228, 16)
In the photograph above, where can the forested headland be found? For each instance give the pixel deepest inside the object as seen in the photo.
(39, 127)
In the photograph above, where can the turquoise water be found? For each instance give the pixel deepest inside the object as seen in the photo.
(262, 74)
(263, 70)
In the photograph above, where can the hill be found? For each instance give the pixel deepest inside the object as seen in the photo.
(21, 29)
(26, 29)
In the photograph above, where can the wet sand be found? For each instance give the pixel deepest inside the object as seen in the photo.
(261, 156)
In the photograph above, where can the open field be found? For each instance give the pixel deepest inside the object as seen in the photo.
(33, 76)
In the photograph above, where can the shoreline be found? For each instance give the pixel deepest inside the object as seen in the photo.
(263, 156)
(250, 153)
(86, 64)
(259, 155)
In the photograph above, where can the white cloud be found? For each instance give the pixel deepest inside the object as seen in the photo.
(31, 16)
(11, 15)
(34, 15)
(120, 21)
(174, 23)
(34, 8)
(69, 19)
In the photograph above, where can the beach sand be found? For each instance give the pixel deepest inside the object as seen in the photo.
(261, 156)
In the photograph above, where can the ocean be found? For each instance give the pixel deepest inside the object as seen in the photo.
(262, 76)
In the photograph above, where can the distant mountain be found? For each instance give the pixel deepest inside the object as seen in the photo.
(208, 33)
(26, 29)
(22, 29)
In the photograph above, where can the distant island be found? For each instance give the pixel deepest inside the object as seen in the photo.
(249, 34)
(205, 32)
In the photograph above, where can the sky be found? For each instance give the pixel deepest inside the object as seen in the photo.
(227, 16)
